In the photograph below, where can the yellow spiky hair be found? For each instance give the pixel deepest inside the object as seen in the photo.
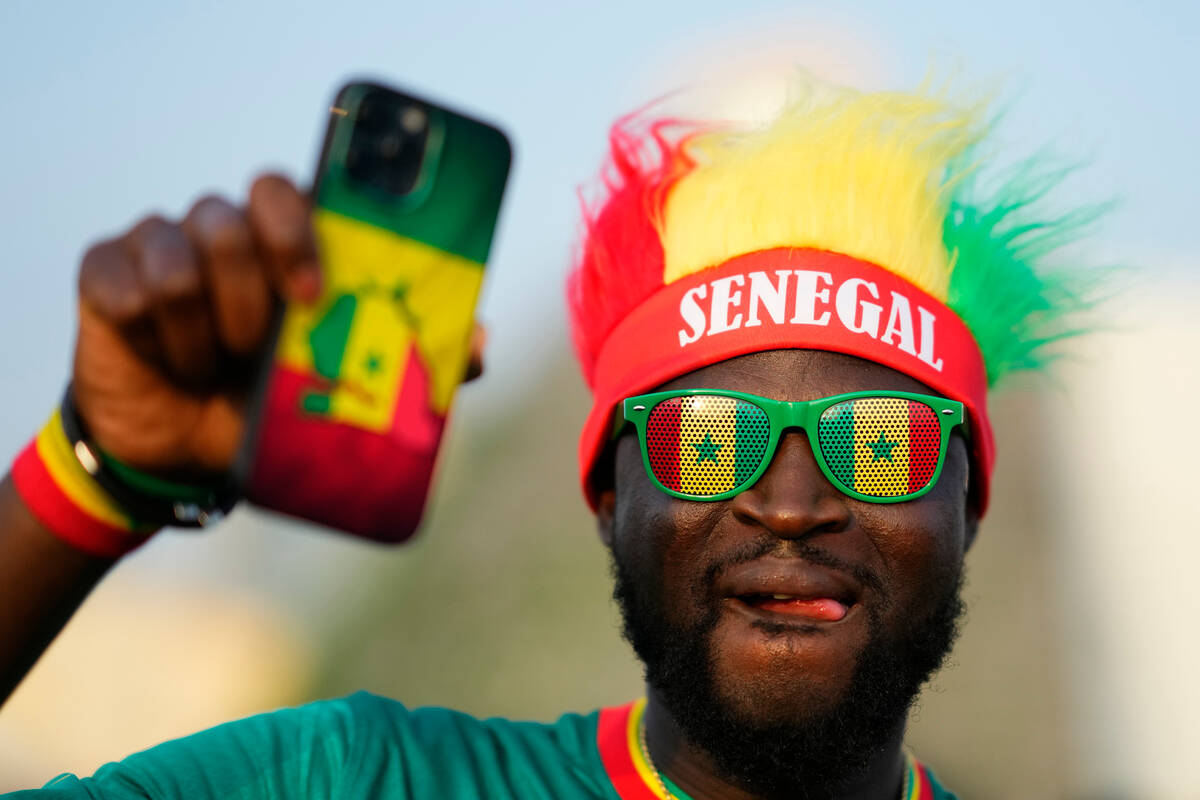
(859, 174)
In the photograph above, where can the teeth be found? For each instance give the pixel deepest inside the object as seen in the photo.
(782, 597)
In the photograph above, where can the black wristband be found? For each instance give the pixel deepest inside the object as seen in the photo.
(150, 500)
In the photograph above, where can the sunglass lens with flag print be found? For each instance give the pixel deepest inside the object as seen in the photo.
(710, 444)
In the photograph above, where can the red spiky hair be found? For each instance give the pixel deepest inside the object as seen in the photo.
(620, 259)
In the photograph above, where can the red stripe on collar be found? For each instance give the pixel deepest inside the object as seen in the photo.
(617, 740)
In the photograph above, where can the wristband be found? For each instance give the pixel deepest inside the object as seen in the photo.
(149, 498)
(68, 502)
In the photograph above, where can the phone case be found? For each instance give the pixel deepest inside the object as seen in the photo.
(353, 406)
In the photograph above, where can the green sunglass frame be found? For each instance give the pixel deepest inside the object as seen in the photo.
(783, 415)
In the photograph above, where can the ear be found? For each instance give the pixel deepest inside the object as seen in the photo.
(972, 510)
(969, 489)
(606, 505)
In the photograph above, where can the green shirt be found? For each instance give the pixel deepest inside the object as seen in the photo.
(366, 746)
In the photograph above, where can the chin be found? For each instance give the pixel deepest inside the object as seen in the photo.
(780, 671)
(771, 678)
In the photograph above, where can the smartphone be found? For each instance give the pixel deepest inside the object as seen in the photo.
(351, 405)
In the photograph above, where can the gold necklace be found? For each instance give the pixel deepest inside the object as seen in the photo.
(662, 786)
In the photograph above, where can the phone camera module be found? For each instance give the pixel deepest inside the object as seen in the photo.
(388, 143)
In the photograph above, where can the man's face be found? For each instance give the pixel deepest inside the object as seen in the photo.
(877, 584)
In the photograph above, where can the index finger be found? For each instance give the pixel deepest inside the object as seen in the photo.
(281, 221)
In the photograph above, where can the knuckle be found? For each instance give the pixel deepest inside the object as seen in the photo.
(148, 227)
(228, 239)
(176, 286)
(271, 183)
(108, 285)
(209, 203)
(280, 214)
(219, 228)
(168, 266)
(93, 265)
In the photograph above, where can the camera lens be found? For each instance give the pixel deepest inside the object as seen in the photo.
(390, 145)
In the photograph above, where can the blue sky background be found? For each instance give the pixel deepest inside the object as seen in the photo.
(117, 109)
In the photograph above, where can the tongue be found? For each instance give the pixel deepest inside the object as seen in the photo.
(822, 608)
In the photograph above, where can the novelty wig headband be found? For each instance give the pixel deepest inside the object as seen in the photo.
(852, 222)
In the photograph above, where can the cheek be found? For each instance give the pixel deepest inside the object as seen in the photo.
(922, 543)
(919, 555)
(661, 539)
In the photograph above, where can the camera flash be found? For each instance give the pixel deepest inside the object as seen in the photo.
(412, 120)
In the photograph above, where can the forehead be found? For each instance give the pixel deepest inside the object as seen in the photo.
(797, 375)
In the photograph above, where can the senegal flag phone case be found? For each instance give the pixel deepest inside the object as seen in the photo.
(349, 413)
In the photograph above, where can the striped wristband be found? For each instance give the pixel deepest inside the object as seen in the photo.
(67, 500)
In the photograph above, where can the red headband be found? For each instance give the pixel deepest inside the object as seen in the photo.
(782, 299)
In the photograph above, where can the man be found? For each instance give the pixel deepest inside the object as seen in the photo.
(789, 332)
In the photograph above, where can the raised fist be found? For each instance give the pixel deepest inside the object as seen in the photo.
(172, 319)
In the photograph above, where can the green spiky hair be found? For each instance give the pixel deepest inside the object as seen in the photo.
(1010, 281)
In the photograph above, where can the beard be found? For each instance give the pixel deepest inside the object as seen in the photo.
(814, 757)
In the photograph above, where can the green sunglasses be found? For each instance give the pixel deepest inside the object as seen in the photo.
(710, 444)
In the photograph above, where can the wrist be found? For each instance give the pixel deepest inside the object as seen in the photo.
(151, 499)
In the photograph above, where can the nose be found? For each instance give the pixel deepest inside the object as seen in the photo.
(793, 498)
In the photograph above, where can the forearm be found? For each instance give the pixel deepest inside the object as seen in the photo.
(44, 580)
(170, 314)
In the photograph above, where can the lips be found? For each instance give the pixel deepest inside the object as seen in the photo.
(791, 588)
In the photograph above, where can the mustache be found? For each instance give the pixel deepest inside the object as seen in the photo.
(768, 545)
